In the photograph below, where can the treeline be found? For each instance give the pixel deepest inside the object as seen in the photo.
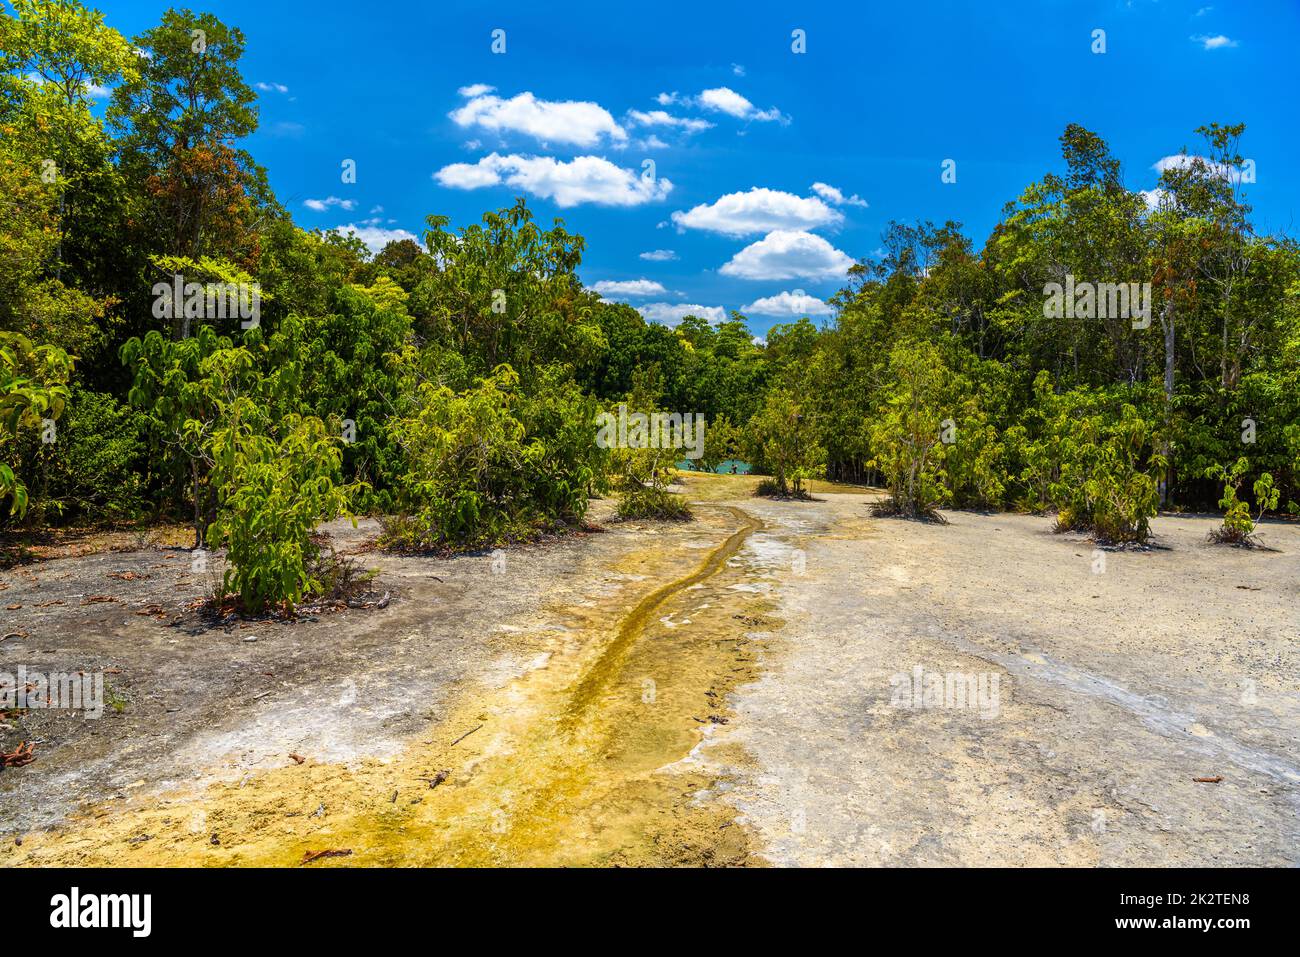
(959, 379)
(453, 386)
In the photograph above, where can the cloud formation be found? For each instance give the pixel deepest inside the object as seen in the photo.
(758, 211)
(723, 99)
(629, 288)
(320, 205)
(664, 118)
(835, 197)
(583, 179)
(374, 237)
(574, 122)
(788, 254)
(670, 313)
(792, 304)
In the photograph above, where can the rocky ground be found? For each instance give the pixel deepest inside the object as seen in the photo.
(734, 690)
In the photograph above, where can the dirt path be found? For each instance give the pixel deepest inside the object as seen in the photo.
(735, 690)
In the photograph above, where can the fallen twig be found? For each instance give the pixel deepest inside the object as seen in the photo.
(309, 856)
(463, 736)
(1214, 780)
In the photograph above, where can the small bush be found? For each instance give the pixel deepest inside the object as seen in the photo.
(272, 493)
(642, 485)
(490, 465)
(94, 469)
(771, 488)
(1238, 525)
(1105, 486)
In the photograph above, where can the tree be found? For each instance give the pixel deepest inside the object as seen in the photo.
(909, 428)
(180, 118)
(722, 442)
(504, 292)
(782, 438)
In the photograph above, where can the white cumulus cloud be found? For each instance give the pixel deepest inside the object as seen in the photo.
(723, 99)
(788, 254)
(583, 179)
(272, 87)
(664, 118)
(836, 197)
(629, 288)
(670, 313)
(795, 303)
(571, 121)
(1213, 43)
(320, 205)
(659, 256)
(374, 237)
(758, 211)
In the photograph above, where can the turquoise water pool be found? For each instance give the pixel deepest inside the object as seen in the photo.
(741, 468)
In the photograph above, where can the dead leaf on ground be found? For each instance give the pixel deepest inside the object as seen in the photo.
(19, 756)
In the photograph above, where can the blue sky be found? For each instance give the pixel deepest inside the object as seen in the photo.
(738, 125)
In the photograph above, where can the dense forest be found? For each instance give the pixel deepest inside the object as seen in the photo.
(453, 387)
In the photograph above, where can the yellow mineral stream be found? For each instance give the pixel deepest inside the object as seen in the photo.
(576, 762)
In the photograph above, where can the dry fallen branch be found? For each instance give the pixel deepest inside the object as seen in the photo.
(309, 856)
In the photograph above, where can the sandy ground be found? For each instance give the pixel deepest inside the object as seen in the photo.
(726, 691)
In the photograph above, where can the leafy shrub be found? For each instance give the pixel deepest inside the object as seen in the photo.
(722, 441)
(489, 464)
(563, 465)
(1238, 524)
(1103, 488)
(642, 485)
(95, 468)
(465, 451)
(32, 388)
(273, 489)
